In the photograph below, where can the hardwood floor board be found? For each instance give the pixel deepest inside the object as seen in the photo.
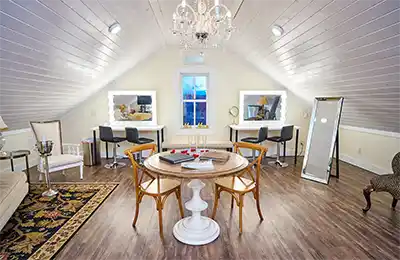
(303, 220)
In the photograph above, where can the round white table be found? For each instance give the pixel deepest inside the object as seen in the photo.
(196, 229)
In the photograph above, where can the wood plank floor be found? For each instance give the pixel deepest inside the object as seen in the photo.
(302, 220)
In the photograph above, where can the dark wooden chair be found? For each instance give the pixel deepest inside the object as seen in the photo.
(388, 182)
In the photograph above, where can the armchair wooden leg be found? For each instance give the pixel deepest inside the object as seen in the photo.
(179, 198)
(367, 194)
(216, 198)
(159, 209)
(136, 214)
(394, 203)
(257, 197)
(139, 197)
(241, 197)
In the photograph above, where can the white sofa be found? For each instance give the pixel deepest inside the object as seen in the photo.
(13, 189)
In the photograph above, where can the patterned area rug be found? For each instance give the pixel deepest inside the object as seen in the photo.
(41, 226)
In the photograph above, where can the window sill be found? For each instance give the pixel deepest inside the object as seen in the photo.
(194, 131)
(194, 127)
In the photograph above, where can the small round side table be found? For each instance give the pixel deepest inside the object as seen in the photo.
(15, 155)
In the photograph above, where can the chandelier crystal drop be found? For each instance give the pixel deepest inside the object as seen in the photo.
(204, 27)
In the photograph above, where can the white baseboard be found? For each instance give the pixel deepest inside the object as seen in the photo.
(364, 165)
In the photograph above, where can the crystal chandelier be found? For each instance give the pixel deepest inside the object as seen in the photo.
(202, 28)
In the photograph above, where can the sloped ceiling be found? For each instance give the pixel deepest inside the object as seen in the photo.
(55, 53)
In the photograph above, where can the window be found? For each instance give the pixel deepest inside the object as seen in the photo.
(194, 98)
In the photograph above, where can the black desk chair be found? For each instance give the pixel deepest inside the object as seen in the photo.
(132, 136)
(106, 135)
(286, 135)
(262, 136)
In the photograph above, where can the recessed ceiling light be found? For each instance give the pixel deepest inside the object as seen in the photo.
(114, 28)
(277, 30)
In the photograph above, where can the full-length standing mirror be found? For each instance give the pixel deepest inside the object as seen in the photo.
(262, 107)
(126, 107)
(321, 139)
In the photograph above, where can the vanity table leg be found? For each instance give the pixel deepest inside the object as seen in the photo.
(12, 164)
(106, 150)
(94, 148)
(196, 229)
(236, 136)
(296, 146)
(230, 134)
(158, 141)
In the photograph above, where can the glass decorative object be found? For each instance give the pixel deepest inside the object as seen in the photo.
(44, 148)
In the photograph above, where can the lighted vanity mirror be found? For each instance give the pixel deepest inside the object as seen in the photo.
(262, 106)
(132, 106)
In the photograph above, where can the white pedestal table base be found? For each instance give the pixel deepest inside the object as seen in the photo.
(197, 229)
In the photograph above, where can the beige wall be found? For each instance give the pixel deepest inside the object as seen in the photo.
(368, 149)
(228, 75)
(22, 139)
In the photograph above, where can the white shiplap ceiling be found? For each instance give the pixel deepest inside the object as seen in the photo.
(56, 53)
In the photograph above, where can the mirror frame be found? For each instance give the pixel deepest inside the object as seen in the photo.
(111, 95)
(304, 173)
(281, 93)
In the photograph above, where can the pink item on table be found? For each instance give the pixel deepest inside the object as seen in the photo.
(193, 149)
(195, 155)
(173, 151)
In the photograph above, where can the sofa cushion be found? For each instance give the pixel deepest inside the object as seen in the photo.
(8, 182)
(13, 188)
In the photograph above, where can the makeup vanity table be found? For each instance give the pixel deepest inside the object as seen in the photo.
(159, 129)
(254, 127)
(136, 109)
(260, 108)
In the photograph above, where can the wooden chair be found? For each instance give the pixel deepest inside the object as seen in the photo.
(238, 185)
(155, 187)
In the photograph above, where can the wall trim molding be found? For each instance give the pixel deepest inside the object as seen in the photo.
(364, 164)
(15, 132)
(371, 131)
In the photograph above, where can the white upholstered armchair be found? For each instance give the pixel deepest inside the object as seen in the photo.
(63, 156)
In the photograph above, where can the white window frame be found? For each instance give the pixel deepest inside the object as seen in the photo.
(189, 74)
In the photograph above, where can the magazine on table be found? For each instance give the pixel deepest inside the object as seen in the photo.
(215, 156)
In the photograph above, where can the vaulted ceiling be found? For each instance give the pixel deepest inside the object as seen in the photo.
(56, 53)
